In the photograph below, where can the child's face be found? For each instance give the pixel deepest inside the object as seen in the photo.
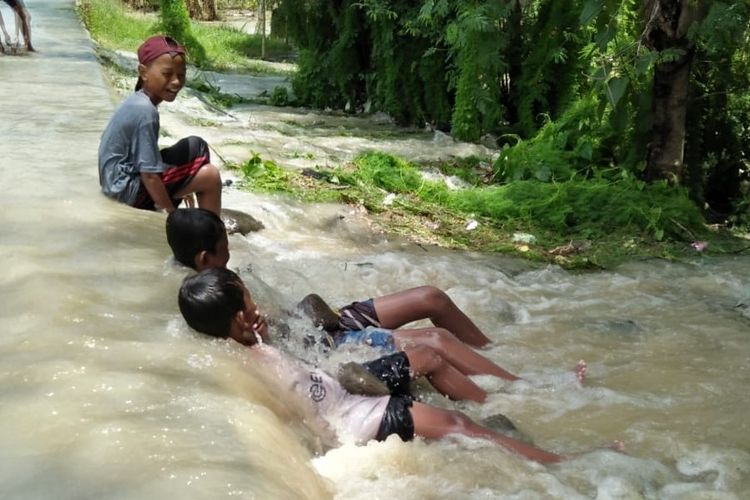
(253, 321)
(163, 78)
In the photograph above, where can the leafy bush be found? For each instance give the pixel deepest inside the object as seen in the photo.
(279, 96)
(175, 22)
(590, 208)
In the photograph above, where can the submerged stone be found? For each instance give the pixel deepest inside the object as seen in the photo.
(357, 380)
(502, 424)
(240, 222)
(319, 312)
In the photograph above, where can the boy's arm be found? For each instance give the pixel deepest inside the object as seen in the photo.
(157, 190)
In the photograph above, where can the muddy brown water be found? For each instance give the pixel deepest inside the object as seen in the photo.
(105, 393)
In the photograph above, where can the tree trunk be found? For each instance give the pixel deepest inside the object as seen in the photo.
(667, 25)
(203, 10)
(666, 149)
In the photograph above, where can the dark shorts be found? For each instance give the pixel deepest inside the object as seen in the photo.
(184, 158)
(397, 419)
(394, 371)
(358, 316)
(12, 3)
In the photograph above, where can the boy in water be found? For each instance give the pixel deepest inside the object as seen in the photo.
(132, 169)
(199, 241)
(216, 302)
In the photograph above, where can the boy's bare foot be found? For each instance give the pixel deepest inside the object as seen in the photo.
(580, 370)
(618, 446)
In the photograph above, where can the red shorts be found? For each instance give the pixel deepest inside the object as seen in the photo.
(184, 158)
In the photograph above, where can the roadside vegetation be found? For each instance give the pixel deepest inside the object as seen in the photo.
(585, 174)
(222, 48)
(589, 224)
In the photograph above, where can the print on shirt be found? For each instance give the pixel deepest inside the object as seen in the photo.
(317, 389)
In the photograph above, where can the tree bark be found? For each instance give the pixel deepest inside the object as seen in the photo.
(667, 25)
(203, 10)
(670, 92)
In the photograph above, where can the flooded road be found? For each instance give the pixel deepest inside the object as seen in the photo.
(106, 394)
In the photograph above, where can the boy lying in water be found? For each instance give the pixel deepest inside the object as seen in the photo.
(198, 240)
(216, 302)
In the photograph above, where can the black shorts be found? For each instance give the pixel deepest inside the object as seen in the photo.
(183, 160)
(12, 3)
(394, 371)
(397, 419)
(358, 316)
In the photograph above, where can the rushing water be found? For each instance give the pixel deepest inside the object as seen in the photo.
(106, 394)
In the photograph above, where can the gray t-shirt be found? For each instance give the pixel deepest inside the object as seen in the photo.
(129, 146)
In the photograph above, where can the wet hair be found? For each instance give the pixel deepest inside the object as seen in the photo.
(191, 231)
(209, 300)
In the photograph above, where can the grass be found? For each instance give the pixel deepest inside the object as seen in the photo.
(227, 49)
(576, 224)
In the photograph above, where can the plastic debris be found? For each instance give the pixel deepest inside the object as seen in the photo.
(472, 225)
(699, 246)
(527, 238)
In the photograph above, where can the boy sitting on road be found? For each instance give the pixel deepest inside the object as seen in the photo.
(216, 302)
(132, 169)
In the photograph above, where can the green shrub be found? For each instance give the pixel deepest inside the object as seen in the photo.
(279, 96)
(175, 22)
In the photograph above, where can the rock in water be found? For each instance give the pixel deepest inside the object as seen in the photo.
(239, 222)
(319, 312)
(502, 424)
(356, 380)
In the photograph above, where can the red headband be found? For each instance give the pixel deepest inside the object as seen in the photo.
(156, 46)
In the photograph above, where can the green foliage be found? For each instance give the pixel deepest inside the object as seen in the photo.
(264, 175)
(384, 171)
(560, 150)
(229, 48)
(113, 26)
(175, 22)
(279, 96)
(109, 24)
(567, 85)
(582, 208)
(591, 209)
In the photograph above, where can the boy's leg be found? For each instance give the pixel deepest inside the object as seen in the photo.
(192, 172)
(428, 302)
(444, 377)
(435, 423)
(23, 15)
(463, 358)
(206, 184)
(8, 41)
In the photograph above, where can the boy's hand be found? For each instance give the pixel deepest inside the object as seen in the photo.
(189, 200)
(260, 326)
